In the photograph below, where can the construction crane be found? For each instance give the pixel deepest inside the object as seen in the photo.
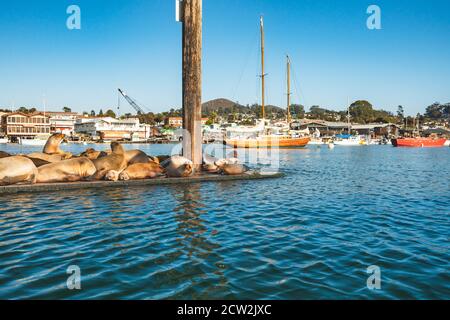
(131, 102)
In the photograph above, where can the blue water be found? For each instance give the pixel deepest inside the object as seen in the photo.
(309, 235)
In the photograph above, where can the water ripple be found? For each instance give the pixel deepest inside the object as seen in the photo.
(310, 235)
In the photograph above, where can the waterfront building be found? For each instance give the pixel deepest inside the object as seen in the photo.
(177, 122)
(107, 128)
(63, 122)
(376, 130)
(326, 128)
(2, 127)
(26, 126)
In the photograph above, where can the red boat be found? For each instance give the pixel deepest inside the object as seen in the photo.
(418, 142)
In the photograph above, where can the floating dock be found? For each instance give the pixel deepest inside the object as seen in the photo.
(58, 187)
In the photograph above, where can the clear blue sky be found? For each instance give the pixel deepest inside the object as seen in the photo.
(136, 45)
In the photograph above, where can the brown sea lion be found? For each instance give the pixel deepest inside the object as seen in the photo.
(51, 158)
(39, 162)
(154, 159)
(178, 166)
(222, 162)
(17, 169)
(112, 175)
(115, 161)
(92, 154)
(209, 163)
(136, 156)
(141, 171)
(53, 143)
(4, 154)
(162, 158)
(211, 168)
(70, 170)
(233, 169)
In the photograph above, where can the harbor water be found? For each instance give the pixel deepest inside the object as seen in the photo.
(310, 235)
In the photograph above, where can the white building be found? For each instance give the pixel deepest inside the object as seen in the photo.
(107, 128)
(63, 122)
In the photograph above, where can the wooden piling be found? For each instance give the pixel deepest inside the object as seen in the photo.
(192, 80)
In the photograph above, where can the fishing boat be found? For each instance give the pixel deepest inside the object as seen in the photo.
(419, 142)
(263, 135)
(3, 140)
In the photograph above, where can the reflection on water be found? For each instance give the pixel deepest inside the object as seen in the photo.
(310, 235)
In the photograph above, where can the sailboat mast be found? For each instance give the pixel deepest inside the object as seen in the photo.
(288, 90)
(262, 68)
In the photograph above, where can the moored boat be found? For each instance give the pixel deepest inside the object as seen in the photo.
(265, 135)
(3, 140)
(269, 142)
(419, 142)
(41, 141)
(349, 140)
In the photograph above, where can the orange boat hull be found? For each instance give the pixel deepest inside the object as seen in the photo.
(268, 143)
(418, 142)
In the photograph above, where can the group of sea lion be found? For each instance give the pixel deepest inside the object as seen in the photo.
(54, 165)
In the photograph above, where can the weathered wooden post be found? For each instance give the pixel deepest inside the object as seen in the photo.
(190, 14)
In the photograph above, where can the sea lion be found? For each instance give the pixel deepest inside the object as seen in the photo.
(4, 154)
(92, 154)
(53, 143)
(39, 162)
(70, 170)
(222, 162)
(233, 169)
(211, 168)
(115, 161)
(112, 175)
(51, 158)
(136, 156)
(162, 158)
(141, 171)
(154, 159)
(178, 166)
(17, 169)
(209, 163)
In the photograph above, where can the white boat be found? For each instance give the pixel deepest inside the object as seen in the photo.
(447, 143)
(350, 141)
(34, 142)
(3, 140)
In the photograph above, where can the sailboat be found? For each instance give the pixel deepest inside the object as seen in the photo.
(262, 135)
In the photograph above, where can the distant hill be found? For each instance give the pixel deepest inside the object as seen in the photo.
(220, 106)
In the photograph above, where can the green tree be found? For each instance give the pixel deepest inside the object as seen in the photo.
(400, 113)
(67, 109)
(361, 111)
(100, 113)
(110, 113)
(435, 111)
(92, 113)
